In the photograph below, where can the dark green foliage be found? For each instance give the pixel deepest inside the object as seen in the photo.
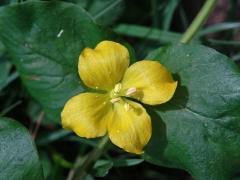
(45, 44)
(199, 129)
(18, 154)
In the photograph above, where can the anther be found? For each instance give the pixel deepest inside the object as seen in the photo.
(117, 88)
(130, 91)
(115, 100)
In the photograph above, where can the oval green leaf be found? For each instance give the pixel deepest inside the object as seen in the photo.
(199, 129)
(18, 154)
(45, 40)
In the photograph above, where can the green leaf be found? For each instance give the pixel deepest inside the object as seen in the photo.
(233, 44)
(58, 159)
(162, 9)
(147, 33)
(183, 17)
(126, 162)
(199, 129)
(219, 27)
(9, 108)
(236, 57)
(46, 164)
(168, 13)
(52, 137)
(6, 77)
(45, 44)
(5, 68)
(18, 154)
(104, 12)
(101, 168)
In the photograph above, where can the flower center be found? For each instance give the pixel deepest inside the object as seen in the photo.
(115, 93)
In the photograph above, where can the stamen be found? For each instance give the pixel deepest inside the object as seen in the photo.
(115, 100)
(117, 88)
(127, 106)
(130, 91)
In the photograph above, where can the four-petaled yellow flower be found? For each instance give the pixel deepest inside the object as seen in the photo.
(111, 111)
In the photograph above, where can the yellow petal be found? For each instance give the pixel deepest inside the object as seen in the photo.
(130, 128)
(149, 82)
(87, 114)
(104, 66)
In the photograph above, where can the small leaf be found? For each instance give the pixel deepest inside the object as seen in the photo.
(46, 164)
(126, 162)
(5, 68)
(168, 13)
(104, 12)
(52, 137)
(165, 37)
(199, 129)
(58, 159)
(219, 27)
(6, 77)
(101, 168)
(18, 154)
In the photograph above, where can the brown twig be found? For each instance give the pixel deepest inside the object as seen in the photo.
(38, 123)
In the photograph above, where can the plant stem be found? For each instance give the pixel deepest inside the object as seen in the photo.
(81, 169)
(198, 21)
(11, 107)
(38, 123)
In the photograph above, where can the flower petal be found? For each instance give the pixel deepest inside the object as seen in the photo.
(130, 128)
(152, 82)
(87, 114)
(104, 66)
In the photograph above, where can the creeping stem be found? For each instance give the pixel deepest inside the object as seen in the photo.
(80, 170)
(198, 21)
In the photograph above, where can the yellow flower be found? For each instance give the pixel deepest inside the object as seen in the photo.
(110, 111)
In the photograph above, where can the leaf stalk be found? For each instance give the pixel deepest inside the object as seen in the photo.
(199, 20)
